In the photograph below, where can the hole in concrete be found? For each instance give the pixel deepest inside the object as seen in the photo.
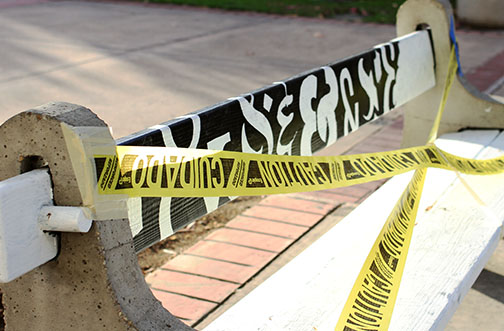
(422, 26)
(31, 162)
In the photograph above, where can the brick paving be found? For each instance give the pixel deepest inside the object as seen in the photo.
(483, 76)
(267, 227)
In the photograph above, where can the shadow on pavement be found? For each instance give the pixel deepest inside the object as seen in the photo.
(490, 284)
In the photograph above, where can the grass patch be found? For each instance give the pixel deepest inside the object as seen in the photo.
(380, 11)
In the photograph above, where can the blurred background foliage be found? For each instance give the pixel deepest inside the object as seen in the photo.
(378, 11)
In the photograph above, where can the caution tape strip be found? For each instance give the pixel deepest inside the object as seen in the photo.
(452, 69)
(178, 172)
(371, 302)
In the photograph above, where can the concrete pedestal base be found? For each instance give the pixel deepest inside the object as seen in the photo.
(466, 107)
(95, 282)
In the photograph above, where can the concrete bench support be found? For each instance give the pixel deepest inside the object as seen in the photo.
(466, 107)
(95, 282)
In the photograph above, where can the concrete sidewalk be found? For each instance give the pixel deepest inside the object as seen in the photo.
(138, 65)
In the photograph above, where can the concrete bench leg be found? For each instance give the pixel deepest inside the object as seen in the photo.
(466, 107)
(95, 282)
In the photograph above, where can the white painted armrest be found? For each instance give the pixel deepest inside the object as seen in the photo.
(27, 215)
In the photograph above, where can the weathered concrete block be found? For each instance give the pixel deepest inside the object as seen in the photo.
(95, 282)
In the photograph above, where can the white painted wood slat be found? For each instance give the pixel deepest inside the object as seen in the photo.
(27, 220)
(23, 245)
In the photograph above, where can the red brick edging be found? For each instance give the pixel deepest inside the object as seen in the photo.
(488, 73)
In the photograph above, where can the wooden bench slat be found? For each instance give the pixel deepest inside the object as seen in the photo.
(452, 245)
(298, 116)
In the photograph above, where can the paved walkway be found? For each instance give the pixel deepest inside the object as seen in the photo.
(138, 65)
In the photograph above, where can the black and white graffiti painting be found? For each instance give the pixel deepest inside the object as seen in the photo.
(298, 116)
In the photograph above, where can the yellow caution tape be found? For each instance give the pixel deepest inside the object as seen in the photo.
(371, 302)
(179, 172)
(452, 70)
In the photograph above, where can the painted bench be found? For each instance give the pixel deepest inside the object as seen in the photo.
(92, 280)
